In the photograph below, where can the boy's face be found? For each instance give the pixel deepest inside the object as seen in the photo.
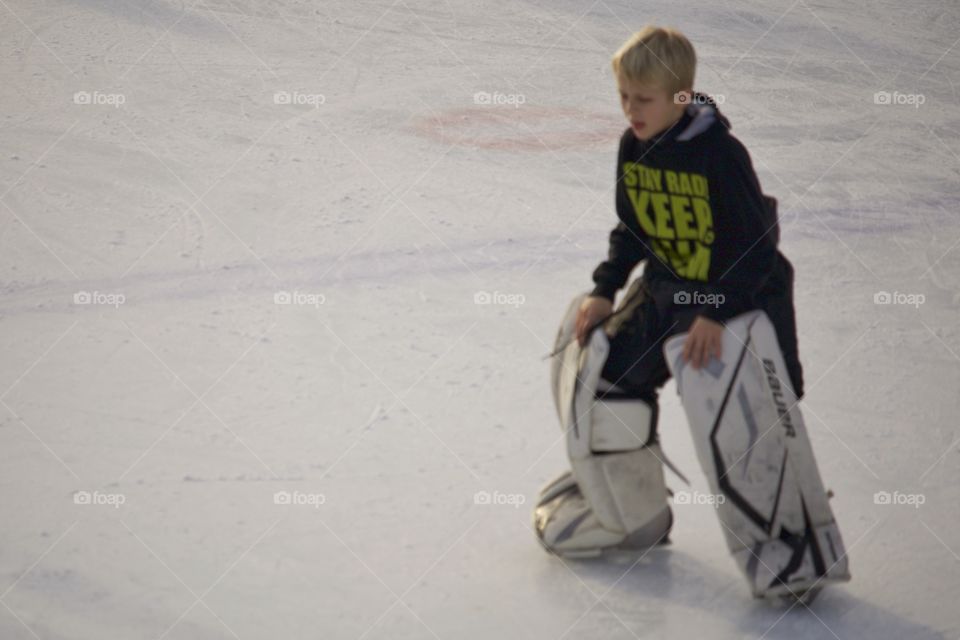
(650, 109)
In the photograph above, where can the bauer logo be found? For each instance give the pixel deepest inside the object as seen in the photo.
(896, 498)
(698, 298)
(776, 391)
(99, 298)
(99, 499)
(299, 298)
(499, 298)
(696, 497)
(496, 498)
(910, 299)
(298, 498)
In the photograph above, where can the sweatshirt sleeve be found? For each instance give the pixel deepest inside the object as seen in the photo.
(625, 252)
(627, 245)
(751, 235)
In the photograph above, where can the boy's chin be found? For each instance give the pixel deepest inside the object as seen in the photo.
(643, 135)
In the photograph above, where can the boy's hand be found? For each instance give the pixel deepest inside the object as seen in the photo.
(592, 309)
(703, 339)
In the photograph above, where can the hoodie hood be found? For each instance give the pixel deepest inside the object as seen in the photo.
(699, 116)
(702, 114)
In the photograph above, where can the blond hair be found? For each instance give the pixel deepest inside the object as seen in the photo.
(657, 56)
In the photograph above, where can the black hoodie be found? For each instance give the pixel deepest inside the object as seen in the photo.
(690, 203)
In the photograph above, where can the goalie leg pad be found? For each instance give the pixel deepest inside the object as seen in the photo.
(620, 424)
(754, 449)
(625, 490)
(636, 515)
(615, 495)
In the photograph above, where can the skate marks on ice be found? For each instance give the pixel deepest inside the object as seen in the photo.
(672, 591)
(873, 220)
(325, 270)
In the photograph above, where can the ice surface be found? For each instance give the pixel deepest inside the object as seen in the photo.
(339, 150)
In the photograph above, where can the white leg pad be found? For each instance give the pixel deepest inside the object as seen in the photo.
(625, 489)
(619, 425)
(755, 451)
(623, 505)
(616, 492)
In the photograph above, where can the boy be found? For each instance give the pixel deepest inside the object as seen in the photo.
(690, 205)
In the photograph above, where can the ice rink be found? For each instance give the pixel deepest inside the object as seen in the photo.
(278, 278)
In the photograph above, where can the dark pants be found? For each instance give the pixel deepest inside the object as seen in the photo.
(636, 363)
